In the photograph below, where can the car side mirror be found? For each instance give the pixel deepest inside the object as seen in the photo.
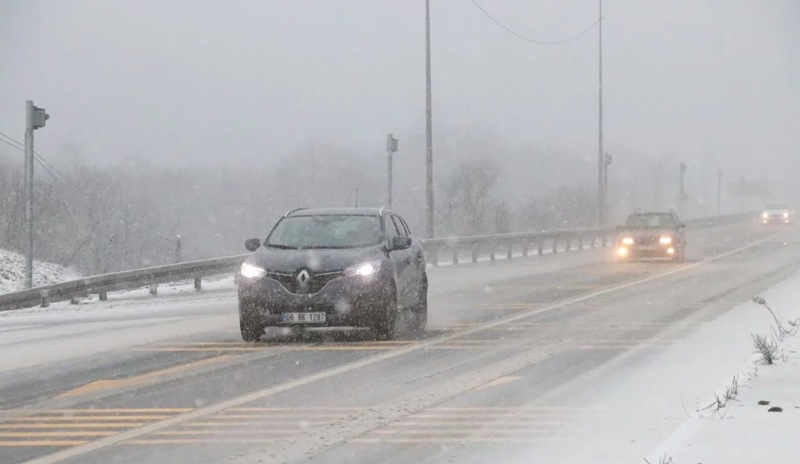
(681, 226)
(401, 243)
(620, 228)
(252, 244)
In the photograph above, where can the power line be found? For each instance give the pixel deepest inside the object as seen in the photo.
(528, 39)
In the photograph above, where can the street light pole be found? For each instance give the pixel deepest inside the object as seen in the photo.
(719, 192)
(682, 192)
(35, 118)
(391, 147)
(428, 122)
(601, 166)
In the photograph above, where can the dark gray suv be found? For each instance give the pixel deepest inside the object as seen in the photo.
(334, 267)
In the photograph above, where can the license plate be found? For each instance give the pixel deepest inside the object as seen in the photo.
(648, 248)
(303, 318)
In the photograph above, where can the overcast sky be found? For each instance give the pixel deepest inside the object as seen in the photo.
(710, 81)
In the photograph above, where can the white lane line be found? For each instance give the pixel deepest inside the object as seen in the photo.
(269, 391)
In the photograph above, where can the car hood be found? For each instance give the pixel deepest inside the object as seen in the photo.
(647, 232)
(315, 260)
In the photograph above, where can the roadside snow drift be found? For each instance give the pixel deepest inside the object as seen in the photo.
(12, 272)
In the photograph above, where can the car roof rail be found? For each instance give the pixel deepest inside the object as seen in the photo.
(294, 210)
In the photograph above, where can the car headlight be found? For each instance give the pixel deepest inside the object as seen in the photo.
(364, 269)
(765, 215)
(786, 214)
(665, 240)
(627, 241)
(251, 271)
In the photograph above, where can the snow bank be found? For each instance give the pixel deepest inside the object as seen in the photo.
(757, 423)
(12, 272)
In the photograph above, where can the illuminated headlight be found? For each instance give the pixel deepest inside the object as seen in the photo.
(622, 252)
(627, 241)
(670, 251)
(364, 269)
(252, 271)
(765, 215)
(665, 240)
(786, 214)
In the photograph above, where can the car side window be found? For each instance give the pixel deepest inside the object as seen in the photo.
(391, 230)
(405, 225)
(398, 223)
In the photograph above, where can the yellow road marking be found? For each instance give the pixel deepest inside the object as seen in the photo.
(478, 422)
(87, 418)
(464, 440)
(142, 379)
(500, 381)
(263, 423)
(225, 432)
(39, 443)
(194, 441)
(463, 431)
(300, 408)
(85, 433)
(112, 410)
(114, 425)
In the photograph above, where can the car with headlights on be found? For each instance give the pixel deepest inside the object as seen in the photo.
(334, 267)
(651, 235)
(776, 213)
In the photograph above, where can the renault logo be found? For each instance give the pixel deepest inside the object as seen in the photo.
(302, 278)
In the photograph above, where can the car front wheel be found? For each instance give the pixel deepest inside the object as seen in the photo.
(385, 317)
(251, 328)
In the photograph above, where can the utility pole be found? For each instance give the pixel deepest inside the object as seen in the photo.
(391, 148)
(601, 166)
(606, 163)
(682, 192)
(719, 192)
(35, 118)
(428, 121)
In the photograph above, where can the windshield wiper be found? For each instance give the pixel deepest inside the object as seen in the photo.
(281, 247)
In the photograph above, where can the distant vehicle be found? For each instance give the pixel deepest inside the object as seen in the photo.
(776, 213)
(354, 267)
(654, 235)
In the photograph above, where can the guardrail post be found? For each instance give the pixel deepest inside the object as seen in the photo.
(510, 249)
(435, 256)
(540, 247)
(154, 289)
(103, 296)
(594, 240)
(569, 244)
(525, 249)
(580, 242)
(45, 296)
(555, 245)
(455, 254)
(492, 246)
(475, 254)
(605, 240)
(198, 284)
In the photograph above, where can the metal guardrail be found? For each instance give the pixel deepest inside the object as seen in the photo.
(552, 240)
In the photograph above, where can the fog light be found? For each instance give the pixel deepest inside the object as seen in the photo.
(670, 251)
(622, 252)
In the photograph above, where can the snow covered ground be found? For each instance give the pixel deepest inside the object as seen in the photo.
(12, 272)
(763, 413)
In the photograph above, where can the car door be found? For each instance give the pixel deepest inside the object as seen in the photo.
(405, 268)
(417, 269)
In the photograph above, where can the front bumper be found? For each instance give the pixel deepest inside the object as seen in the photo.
(633, 252)
(776, 220)
(346, 301)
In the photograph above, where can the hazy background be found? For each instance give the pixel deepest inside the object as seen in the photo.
(208, 119)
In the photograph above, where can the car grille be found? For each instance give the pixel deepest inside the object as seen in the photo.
(648, 240)
(315, 283)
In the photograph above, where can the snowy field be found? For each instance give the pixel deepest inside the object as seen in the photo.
(12, 272)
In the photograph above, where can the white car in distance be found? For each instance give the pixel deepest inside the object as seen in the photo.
(776, 213)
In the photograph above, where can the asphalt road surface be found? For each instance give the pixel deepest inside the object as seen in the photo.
(519, 363)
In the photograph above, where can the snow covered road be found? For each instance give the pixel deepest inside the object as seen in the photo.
(569, 358)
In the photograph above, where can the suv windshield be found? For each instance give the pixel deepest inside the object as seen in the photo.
(651, 221)
(326, 231)
(776, 206)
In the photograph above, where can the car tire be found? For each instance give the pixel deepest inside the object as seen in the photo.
(251, 328)
(384, 324)
(420, 311)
